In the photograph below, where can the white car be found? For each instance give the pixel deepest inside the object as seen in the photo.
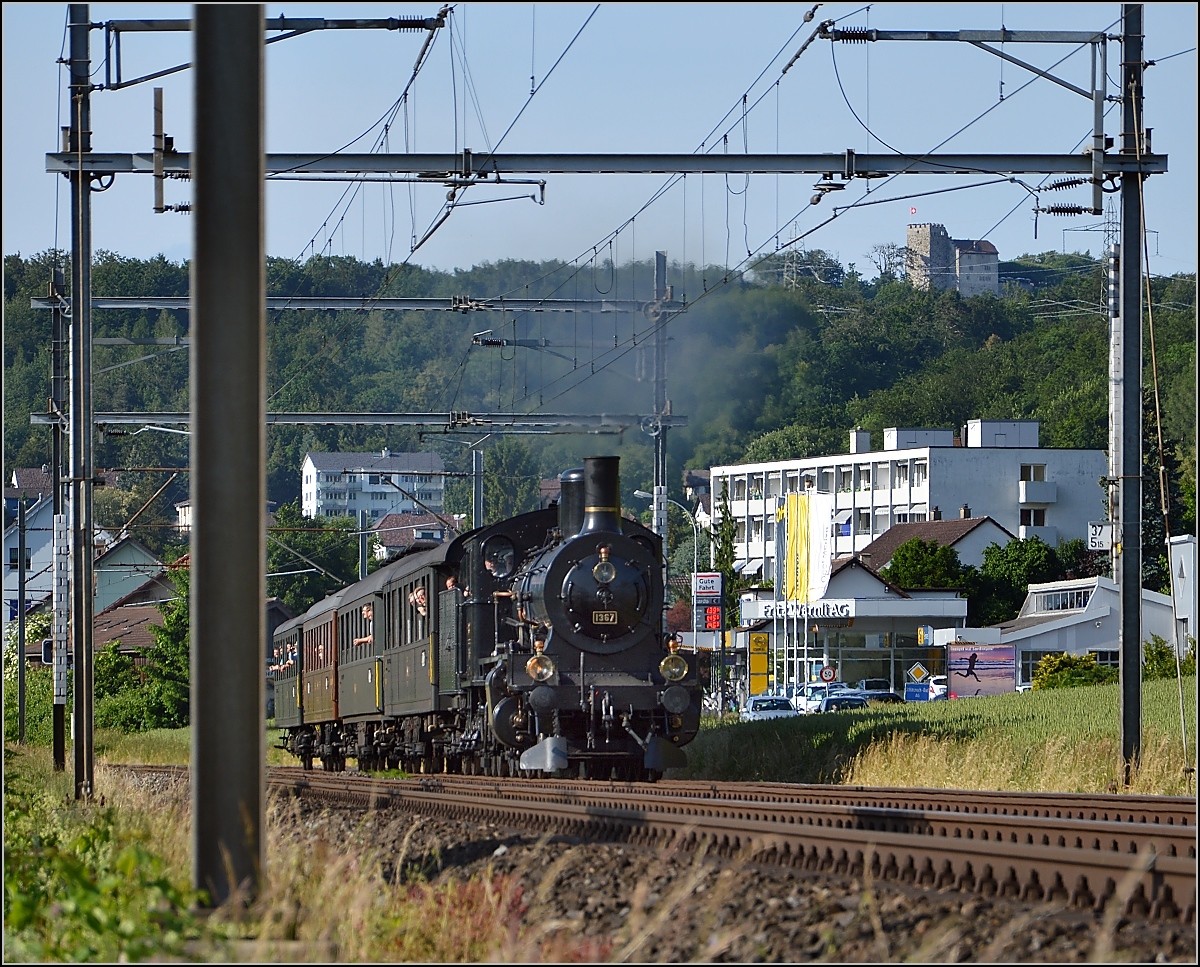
(763, 707)
(937, 687)
(810, 699)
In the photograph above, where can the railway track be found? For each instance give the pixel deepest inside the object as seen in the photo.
(1082, 851)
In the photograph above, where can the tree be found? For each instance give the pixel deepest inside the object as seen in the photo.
(1009, 570)
(510, 480)
(928, 564)
(890, 259)
(169, 672)
(323, 550)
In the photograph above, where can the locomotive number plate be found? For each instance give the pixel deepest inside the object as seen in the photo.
(604, 617)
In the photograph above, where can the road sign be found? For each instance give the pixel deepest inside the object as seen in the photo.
(828, 673)
(1100, 534)
(916, 692)
(711, 585)
(918, 672)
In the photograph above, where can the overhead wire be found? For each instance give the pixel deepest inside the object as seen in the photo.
(1164, 494)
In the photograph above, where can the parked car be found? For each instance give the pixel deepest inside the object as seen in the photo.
(760, 708)
(810, 698)
(873, 685)
(1025, 687)
(841, 702)
(937, 687)
(885, 695)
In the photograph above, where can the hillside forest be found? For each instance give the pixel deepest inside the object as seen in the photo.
(779, 363)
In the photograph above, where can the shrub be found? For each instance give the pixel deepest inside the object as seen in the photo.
(1158, 659)
(1071, 671)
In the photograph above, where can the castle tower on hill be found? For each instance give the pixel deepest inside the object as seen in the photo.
(935, 260)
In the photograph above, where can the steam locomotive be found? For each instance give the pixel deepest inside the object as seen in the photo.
(532, 646)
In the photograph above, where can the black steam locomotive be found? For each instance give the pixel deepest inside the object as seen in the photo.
(533, 646)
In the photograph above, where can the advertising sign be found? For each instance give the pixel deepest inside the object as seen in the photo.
(759, 671)
(980, 669)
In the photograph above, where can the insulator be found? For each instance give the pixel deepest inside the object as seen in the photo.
(857, 35)
(1065, 210)
(1064, 183)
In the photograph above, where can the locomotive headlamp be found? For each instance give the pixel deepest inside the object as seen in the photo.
(539, 667)
(673, 667)
(605, 572)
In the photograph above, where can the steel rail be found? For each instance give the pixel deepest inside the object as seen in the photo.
(1007, 844)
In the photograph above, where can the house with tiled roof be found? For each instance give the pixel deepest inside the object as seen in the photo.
(967, 535)
(398, 533)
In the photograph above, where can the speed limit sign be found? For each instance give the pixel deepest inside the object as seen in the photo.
(828, 673)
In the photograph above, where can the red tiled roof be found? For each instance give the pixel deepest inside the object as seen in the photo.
(941, 532)
(399, 530)
(130, 623)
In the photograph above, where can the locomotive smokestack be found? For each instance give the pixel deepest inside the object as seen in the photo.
(570, 502)
(601, 495)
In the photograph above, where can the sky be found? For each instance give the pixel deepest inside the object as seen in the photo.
(620, 78)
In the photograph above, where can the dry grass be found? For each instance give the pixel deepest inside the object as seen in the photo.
(333, 893)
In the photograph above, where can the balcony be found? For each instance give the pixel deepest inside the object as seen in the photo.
(1048, 535)
(1037, 492)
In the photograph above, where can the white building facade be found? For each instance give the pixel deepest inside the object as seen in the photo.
(1078, 617)
(995, 469)
(380, 483)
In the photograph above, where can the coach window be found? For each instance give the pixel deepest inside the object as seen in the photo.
(417, 611)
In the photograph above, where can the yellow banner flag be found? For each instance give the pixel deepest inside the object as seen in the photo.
(796, 573)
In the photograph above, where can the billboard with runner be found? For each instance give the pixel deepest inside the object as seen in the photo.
(980, 669)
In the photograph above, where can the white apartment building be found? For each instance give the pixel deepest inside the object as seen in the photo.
(380, 483)
(994, 469)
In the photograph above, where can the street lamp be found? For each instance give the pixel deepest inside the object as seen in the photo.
(692, 519)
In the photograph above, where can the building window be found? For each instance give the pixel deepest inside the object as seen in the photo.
(825, 481)
(920, 473)
(1033, 471)
(739, 488)
(1033, 517)
(768, 529)
(741, 532)
(900, 475)
(844, 484)
(862, 522)
(1029, 662)
(756, 529)
(373, 478)
(1107, 659)
(881, 476)
(12, 558)
(1075, 600)
(863, 475)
